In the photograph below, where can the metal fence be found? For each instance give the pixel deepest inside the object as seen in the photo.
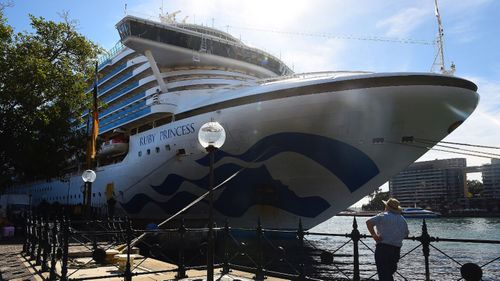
(263, 252)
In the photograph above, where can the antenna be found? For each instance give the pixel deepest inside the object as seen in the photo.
(439, 59)
(167, 18)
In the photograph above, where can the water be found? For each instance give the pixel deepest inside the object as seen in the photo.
(411, 266)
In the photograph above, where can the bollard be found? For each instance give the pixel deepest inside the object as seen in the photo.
(259, 274)
(52, 274)
(65, 249)
(128, 272)
(425, 239)
(355, 236)
(181, 269)
(300, 237)
(225, 264)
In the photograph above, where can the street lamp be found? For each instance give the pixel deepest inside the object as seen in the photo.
(211, 136)
(88, 177)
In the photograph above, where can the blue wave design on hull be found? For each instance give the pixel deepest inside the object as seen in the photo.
(251, 187)
(173, 205)
(255, 186)
(349, 164)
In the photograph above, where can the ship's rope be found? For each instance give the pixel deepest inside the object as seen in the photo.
(456, 143)
(450, 149)
(334, 36)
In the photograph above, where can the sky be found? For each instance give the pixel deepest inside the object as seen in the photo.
(312, 35)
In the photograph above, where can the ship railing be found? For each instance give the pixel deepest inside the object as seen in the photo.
(108, 55)
(305, 75)
(309, 75)
(293, 255)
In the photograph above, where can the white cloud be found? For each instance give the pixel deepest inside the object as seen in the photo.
(404, 22)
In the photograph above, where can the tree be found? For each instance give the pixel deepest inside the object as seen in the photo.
(376, 203)
(475, 188)
(43, 78)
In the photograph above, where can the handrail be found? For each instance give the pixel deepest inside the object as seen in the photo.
(43, 237)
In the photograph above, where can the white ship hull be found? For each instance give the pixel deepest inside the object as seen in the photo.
(309, 149)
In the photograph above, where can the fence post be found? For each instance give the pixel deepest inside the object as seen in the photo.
(65, 249)
(181, 268)
(425, 239)
(46, 247)
(128, 272)
(259, 274)
(300, 236)
(26, 244)
(32, 238)
(52, 275)
(225, 264)
(39, 240)
(355, 236)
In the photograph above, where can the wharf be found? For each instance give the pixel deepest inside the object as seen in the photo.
(358, 214)
(15, 266)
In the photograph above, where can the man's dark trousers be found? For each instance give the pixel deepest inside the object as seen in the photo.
(386, 259)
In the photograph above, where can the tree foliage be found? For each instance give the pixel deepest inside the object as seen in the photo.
(376, 203)
(475, 188)
(43, 78)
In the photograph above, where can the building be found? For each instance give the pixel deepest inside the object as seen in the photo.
(430, 183)
(491, 179)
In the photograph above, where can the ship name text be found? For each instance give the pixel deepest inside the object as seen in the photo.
(168, 133)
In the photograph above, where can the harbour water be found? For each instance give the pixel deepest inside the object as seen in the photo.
(411, 266)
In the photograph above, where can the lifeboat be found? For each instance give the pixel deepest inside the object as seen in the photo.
(114, 146)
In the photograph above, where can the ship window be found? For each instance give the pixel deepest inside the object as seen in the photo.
(124, 30)
(93, 194)
(139, 153)
(163, 121)
(99, 194)
(148, 151)
(145, 127)
(157, 150)
(167, 147)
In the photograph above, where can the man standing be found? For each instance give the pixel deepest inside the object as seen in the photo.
(391, 228)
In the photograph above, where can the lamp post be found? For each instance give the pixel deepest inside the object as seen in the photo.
(88, 177)
(211, 136)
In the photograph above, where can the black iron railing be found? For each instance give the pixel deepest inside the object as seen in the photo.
(264, 252)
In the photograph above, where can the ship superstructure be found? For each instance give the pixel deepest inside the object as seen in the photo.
(307, 145)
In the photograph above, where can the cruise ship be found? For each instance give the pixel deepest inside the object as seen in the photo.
(305, 146)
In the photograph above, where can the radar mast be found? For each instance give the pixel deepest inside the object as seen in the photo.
(439, 58)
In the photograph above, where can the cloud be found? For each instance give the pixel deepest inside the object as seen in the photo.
(316, 57)
(404, 22)
(462, 19)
